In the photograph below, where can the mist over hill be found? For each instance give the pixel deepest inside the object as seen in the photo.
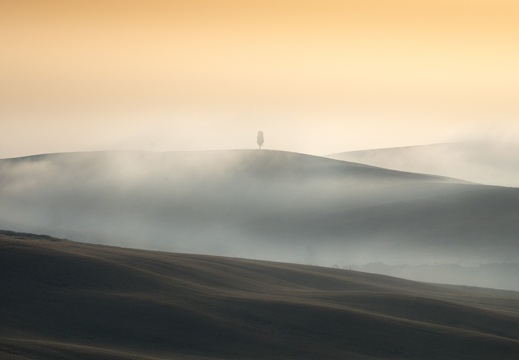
(486, 162)
(261, 204)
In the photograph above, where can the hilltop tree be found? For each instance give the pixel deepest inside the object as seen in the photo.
(260, 139)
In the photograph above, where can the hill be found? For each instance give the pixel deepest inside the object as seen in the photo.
(267, 205)
(485, 162)
(68, 300)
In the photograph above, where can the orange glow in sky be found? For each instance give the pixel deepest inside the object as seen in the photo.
(316, 76)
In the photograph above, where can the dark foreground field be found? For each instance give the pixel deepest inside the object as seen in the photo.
(67, 300)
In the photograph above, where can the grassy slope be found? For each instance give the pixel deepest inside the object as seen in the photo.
(63, 300)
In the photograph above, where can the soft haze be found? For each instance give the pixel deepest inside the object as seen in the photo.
(269, 205)
(491, 163)
(316, 76)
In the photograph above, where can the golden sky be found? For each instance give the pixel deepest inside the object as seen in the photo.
(317, 76)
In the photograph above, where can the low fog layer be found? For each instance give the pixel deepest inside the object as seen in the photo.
(485, 162)
(261, 204)
(494, 275)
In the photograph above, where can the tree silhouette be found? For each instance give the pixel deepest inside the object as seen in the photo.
(260, 139)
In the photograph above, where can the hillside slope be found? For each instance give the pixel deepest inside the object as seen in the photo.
(67, 300)
(261, 204)
(485, 162)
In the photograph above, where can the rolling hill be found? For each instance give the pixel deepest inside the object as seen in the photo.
(267, 205)
(485, 162)
(67, 300)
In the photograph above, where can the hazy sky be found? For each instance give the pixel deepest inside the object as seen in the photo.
(317, 76)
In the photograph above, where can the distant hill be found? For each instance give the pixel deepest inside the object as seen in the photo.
(493, 163)
(68, 300)
(268, 205)
(497, 275)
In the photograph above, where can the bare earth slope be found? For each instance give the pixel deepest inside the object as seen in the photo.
(67, 300)
(267, 205)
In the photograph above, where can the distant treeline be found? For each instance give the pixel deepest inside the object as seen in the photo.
(23, 235)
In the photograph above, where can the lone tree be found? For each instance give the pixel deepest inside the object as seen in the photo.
(259, 139)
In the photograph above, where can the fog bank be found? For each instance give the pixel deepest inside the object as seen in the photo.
(487, 162)
(260, 204)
